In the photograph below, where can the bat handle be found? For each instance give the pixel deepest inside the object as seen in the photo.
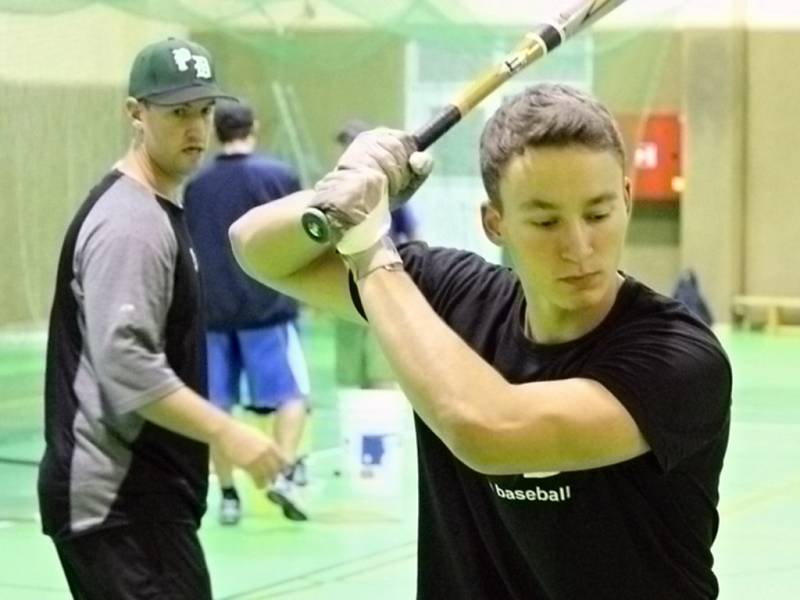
(315, 221)
(426, 135)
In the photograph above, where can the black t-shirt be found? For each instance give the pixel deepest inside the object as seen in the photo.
(640, 529)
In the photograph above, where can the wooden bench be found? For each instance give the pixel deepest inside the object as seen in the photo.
(769, 305)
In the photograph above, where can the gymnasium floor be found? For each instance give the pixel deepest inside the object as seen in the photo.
(361, 543)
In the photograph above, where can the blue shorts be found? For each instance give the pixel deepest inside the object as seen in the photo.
(269, 358)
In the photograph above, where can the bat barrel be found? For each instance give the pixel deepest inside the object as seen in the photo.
(583, 14)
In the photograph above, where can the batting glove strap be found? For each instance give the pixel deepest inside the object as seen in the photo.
(383, 255)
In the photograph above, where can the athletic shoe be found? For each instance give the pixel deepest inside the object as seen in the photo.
(230, 511)
(282, 493)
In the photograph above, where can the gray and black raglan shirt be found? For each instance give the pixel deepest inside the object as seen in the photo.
(125, 329)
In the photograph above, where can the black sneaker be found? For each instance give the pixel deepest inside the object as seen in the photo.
(281, 493)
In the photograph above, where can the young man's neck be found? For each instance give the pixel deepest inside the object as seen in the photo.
(138, 165)
(553, 325)
(241, 146)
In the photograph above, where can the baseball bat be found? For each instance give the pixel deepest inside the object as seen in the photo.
(536, 44)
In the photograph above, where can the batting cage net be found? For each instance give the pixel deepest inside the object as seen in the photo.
(308, 66)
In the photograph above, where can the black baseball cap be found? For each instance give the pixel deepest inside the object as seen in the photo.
(350, 131)
(233, 119)
(174, 71)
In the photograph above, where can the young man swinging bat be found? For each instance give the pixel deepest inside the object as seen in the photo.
(571, 422)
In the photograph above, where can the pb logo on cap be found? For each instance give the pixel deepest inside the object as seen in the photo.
(182, 58)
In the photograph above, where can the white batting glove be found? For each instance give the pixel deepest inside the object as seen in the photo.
(352, 195)
(357, 203)
(393, 152)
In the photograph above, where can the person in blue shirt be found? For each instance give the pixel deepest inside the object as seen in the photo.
(251, 328)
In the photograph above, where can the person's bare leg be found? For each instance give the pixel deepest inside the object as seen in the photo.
(288, 427)
(223, 468)
(290, 421)
(230, 507)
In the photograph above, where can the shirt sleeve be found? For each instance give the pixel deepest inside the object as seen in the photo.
(126, 282)
(674, 380)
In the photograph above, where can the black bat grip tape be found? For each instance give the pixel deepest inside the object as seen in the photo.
(426, 135)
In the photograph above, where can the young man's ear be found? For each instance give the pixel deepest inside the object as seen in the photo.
(491, 218)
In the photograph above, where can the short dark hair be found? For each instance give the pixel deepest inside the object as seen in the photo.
(233, 120)
(544, 115)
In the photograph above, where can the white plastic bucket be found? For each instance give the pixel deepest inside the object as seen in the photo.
(374, 425)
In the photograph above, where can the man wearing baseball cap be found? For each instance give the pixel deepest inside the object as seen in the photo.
(123, 480)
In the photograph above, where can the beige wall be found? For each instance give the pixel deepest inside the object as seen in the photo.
(738, 222)
(772, 152)
(636, 73)
(63, 81)
(739, 217)
(716, 116)
(92, 46)
(57, 141)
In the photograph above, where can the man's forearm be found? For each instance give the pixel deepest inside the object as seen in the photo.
(188, 414)
(269, 241)
(185, 412)
(445, 380)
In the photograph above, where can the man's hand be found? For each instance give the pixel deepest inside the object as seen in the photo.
(249, 449)
(349, 196)
(381, 164)
(359, 209)
(394, 153)
(387, 151)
